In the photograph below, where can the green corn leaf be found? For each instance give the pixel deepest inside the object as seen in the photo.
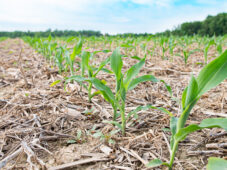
(106, 91)
(104, 51)
(103, 89)
(206, 123)
(155, 163)
(127, 46)
(76, 78)
(189, 99)
(164, 111)
(55, 82)
(214, 122)
(132, 72)
(136, 58)
(183, 99)
(116, 63)
(96, 93)
(211, 42)
(123, 91)
(184, 115)
(49, 38)
(85, 61)
(183, 132)
(79, 46)
(173, 128)
(191, 91)
(216, 164)
(212, 74)
(139, 108)
(76, 50)
(106, 70)
(103, 63)
(141, 79)
(70, 39)
(168, 87)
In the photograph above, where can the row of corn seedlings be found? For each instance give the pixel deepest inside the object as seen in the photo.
(209, 77)
(167, 46)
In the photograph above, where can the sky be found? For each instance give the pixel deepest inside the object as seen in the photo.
(107, 16)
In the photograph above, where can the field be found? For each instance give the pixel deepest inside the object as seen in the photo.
(67, 103)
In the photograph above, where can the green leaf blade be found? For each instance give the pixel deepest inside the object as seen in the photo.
(212, 74)
(133, 71)
(55, 82)
(76, 50)
(173, 128)
(183, 132)
(216, 164)
(85, 61)
(116, 63)
(106, 91)
(214, 122)
(141, 79)
(155, 163)
(206, 123)
(191, 91)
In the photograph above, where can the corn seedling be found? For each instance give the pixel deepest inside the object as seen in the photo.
(206, 49)
(163, 44)
(124, 83)
(78, 139)
(172, 45)
(106, 137)
(186, 55)
(59, 57)
(70, 58)
(209, 77)
(218, 44)
(91, 70)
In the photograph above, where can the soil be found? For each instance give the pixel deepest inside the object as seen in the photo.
(42, 127)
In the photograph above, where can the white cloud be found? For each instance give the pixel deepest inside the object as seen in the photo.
(153, 2)
(106, 15)
(120, 19)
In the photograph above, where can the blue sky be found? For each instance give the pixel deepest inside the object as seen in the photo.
(107, 16)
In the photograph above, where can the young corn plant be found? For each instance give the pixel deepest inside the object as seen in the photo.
(91, 70)
(186, 55)
(218, 44)
(163, 44)
(172, 45)
(209, 77)
(59, 58)
(70, 58)
(206, 49)
(124, 83)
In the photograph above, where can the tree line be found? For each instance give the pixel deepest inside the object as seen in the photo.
(212, 25)
(65, 33)
(55, 33)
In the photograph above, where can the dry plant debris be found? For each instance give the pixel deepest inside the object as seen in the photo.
(39, 124)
